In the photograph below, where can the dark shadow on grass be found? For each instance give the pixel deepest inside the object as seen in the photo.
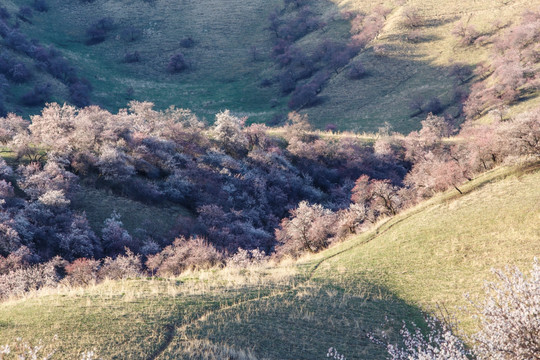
(305, 322)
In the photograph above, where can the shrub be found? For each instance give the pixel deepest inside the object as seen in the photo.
(4, 13)
(433, 106)
(40, 5)
(228, 132)
(187, 42)
(510, 325)
(115, 238)
(25, 13)
(466, 34)
(356, 70)
(26, 279)
(177, 63)
(308, 229)
(244, 258)
(302, 96)
(17, 41)
(115, 165)
(54, 198)
(37, 96)
(410, 17)
(439, 344)
(121, 267)
(415, 36)
(19, 73)
(97, 31)
(79, 93)
(82, 272)
(379, 196)
(184, 254)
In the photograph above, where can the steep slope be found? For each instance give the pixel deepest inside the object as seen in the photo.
(428, 255)
(404, 63)
(228, 45)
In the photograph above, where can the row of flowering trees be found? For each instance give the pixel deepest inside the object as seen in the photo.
(246, 189)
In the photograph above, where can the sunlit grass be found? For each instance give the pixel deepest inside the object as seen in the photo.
(425, 257)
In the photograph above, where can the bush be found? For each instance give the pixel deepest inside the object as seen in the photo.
(97, 31)
(19, 73)
(4, 13)
(121, 267)
(466, 34)
(410, 18)
(82, 272)
(439, 344)
(510, 316)
(32, 278)
(510, 326)
(187, 42)
(18, 42)
(177, 63)
(461, 72)
(115, 238)
(25, 13)
(244, 258)
(40, 5)
(184, 254)
(433, 106)
(302, 96)
(39, 95)
(356, 70)
(79, 93)
(308, 229)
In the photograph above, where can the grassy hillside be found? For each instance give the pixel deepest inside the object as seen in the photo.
(404, 69)
(428, 255)
(99, 204)
(230, 56)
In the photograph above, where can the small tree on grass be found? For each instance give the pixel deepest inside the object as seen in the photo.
(466, 34)
(410, 18)
(177, 63)
(308, 229)
(356, 70)
(115, 238)
(184, 254)
(379, 196)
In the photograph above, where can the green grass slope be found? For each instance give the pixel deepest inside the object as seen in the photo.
(223, 74)
(402, 69)
(431, 254)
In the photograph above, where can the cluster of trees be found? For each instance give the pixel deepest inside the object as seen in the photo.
(248, 190)
(303, 72)
(237, 180)
(433, 165)
(25, 58)
(512, 71)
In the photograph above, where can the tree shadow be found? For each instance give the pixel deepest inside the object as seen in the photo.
(306, 321)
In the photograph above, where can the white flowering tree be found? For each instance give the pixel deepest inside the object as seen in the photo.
(510, 326)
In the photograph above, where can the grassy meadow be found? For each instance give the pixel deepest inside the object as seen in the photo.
(231, 57)
(424, 258)
(100, 204)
